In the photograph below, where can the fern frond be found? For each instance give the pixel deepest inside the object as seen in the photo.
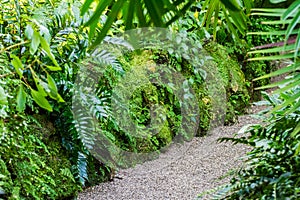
(103, 58)
(82, 168)
(118, 42)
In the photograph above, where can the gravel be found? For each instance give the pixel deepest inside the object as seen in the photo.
(198, 168)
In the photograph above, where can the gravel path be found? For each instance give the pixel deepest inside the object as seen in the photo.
(202, 162)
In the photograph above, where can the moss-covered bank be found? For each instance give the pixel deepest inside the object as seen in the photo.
(151, 65)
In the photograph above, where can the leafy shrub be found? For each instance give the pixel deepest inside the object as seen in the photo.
(40, 50)
(272, 166)
(32, 166)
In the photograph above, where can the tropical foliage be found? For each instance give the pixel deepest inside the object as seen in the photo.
(271, 167)
(45, 143)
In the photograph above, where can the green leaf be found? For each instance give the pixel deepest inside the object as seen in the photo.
(21, 99)
(41, 100)
(276, 84)
(53, 89)
(53, 68)
(154, 13)
(292, 9)
(283, 70)
(28, 31)
(16, 62)
(217, 9)
(277, 1)
(40, 86)
(102, 5)
(292, 26)
(140, 13)
(297, 45)
(291, 99)
(280, 11)
(271, 33)
(239, 21)
(85, 6)
(3, 97)
(110, 19)
(294, 83)
(35, 42)
(274, 50)
(233, 5)
(277, 22)
(130, 13)
(230, 25)
(47, 49)
(296, 130)
(277, 57)
(52, 86)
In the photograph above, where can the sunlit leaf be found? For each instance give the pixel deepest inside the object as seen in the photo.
(277, 1)
(276, 84)
(29, 31)
(276, 57)
(21, 99)
(35, 42)
(291, 99)
(3, 97)
(291, 10)
(53, 89)
(41, 100)
(53, 68)
(233, 5)
(46, 48)
(110, 19)
(16, 62)
(283, 70)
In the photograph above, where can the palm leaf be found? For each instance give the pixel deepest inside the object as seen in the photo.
(135, 12)
(274, 50)
(235, 18)
(276, 84)
(291, 68)
(276, 57)
(112, 16)
(288, 49)
(287, 102)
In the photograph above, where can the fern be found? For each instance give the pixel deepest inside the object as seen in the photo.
(118, 42)
(103, 58)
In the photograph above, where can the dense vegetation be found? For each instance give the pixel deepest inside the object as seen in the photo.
(47, 139)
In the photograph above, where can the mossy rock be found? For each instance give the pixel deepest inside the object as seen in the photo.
(142, 66)
(233, 79)
(152, 96)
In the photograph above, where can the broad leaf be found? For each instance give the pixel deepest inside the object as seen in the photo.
(16, 62)
(53, 89)
(46, 48)
(35, 42)
(21, 99)
(41, 100)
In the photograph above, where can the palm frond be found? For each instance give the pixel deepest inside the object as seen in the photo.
(139, 13)
(235, 17)
(287, 49)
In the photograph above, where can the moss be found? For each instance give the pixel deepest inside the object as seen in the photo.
(39, 167)
(165, 135)
(149, 65)
(233, 79)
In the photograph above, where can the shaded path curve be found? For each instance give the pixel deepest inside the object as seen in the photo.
(196, 171)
